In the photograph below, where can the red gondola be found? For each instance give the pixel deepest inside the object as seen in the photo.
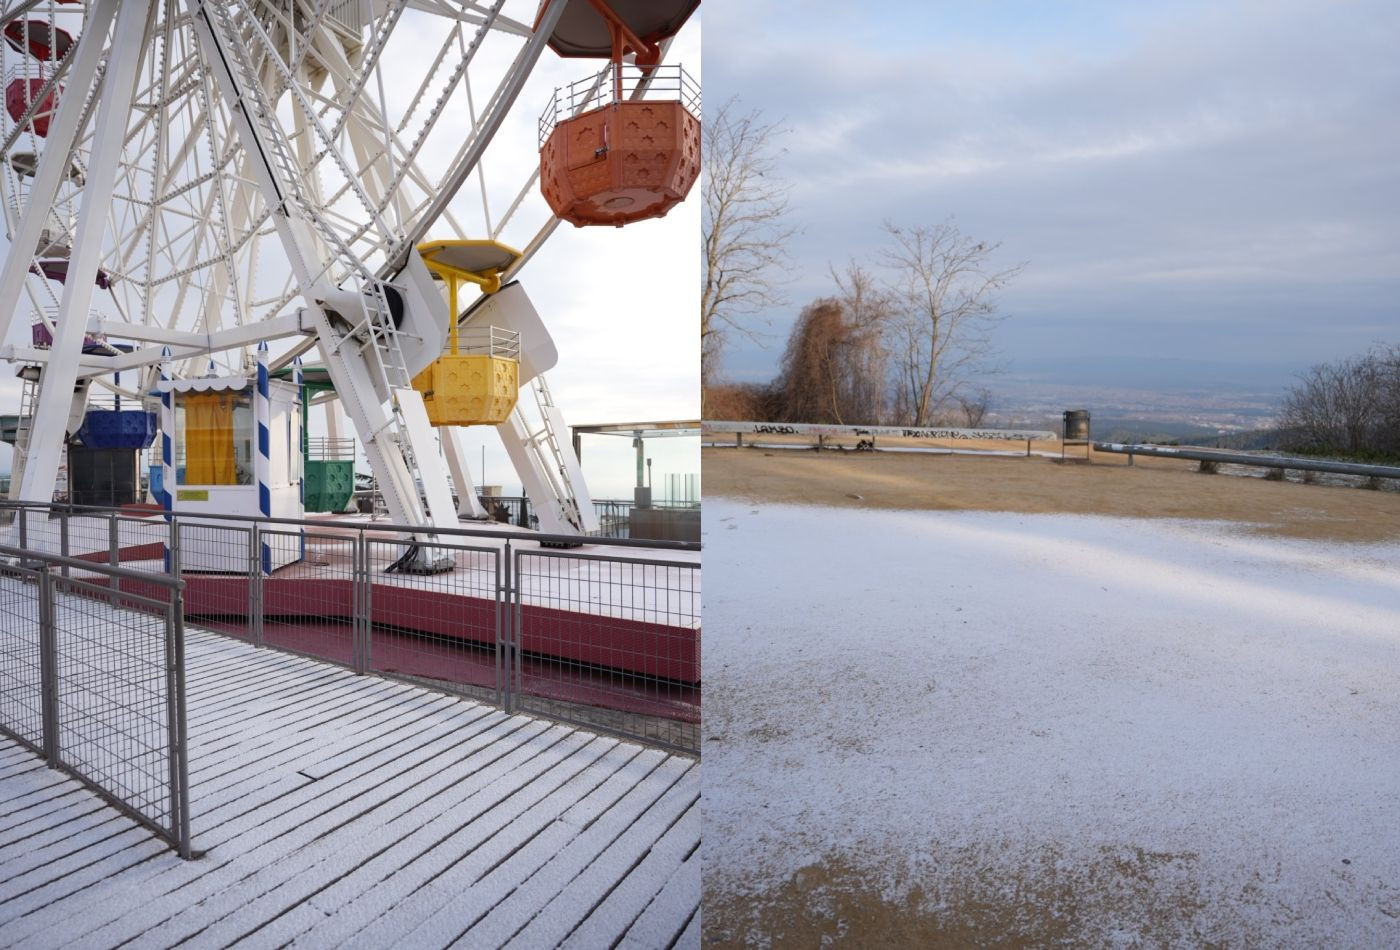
(57, 269)
(39, 38)
(21, 92)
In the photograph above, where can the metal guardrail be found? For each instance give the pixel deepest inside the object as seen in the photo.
(905, 432)
(92, 678)
(867, 434)
(667, 81)
(486, 341)
(324, 449)
(588, 654)
(1226, 457)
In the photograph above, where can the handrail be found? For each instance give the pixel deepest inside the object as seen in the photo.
(98, 510)
(91, 567)
(1199, 454)
(666, 82)
(709, 427)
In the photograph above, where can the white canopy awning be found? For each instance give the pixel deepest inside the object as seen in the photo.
(212, 384)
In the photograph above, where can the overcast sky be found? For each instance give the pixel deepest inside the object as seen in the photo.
(1196, 180)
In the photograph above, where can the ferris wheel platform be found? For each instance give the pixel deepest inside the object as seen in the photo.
(335, 810)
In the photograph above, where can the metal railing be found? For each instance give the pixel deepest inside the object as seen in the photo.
(665, 82)
(92, 678)
(866, 436)
(1227, 457)
(608, 637)
(486, 341)
(323, 449)
(638, 612)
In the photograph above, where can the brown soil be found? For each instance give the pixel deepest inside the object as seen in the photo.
(963, 902)
(1152, 488)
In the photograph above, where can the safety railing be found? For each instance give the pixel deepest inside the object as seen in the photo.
(608, 642)
(1209, 457)
(668, 81)
(486, 341)
(323, 449)
(608, 637)
(92, 677)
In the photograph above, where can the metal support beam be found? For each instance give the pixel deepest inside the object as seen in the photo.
(467, 504)
(53, 168)
(61, 374)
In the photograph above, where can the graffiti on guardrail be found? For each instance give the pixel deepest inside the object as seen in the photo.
(865, 432)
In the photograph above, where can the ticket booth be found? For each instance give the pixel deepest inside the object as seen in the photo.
(221, 465)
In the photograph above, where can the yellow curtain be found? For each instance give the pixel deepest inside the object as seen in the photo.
(209, 439)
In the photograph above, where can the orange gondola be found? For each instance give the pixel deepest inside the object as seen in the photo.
(608, 156)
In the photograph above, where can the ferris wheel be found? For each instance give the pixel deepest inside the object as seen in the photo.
(186, 182)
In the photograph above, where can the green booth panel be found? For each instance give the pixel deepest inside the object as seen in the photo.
(329, 485)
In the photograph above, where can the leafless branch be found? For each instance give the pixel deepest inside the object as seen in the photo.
(944, 294)
(744, 231)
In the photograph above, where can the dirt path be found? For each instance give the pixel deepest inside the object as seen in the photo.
(1153, 488)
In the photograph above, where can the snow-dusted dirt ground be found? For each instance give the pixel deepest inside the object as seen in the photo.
(968, 728)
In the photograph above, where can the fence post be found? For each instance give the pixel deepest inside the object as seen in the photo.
(48, 666)
(175, 548)
(63, 536)
(255, 585)
(361, 627)
(114, 556)
(175, 717)
(505, 662)
(24, 528)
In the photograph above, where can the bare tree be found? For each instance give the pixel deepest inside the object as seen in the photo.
(974, 407)
(944, 294)
(834, 367)
(1347, 407)
(1388, 442)
(744, 229)
(865, 359)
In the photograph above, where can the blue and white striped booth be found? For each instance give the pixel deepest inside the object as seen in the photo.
(235, 449)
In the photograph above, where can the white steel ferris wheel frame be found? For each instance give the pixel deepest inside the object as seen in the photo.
(194, 138)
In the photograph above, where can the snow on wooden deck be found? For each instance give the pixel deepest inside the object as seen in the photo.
(341, 810)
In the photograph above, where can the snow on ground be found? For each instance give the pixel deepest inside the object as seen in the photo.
(1158, 731)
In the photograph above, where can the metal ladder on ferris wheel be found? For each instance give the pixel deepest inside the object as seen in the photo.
(560, 495)
(28, 401)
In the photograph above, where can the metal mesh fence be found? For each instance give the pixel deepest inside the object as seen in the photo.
(222, 556)
(609, 642)
(309, 605)
(141, 542)
(614, 519)
(598, 637)
(441, 628)
(114, 697)
(92, 678)
(41, 531)
(87, 536)
(21, 685)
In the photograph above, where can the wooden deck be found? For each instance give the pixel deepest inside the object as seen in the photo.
(342, 810)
